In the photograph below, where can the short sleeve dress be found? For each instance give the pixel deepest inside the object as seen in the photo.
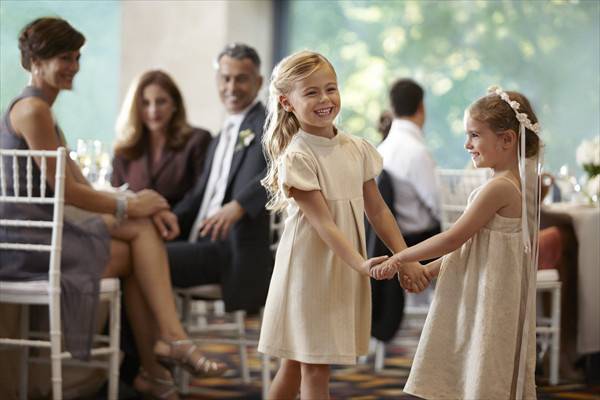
(472, 337)
(85, 246)
(318, 309)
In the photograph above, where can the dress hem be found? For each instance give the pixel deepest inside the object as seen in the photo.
(309, 358)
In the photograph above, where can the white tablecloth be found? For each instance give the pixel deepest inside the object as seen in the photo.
(586, 224)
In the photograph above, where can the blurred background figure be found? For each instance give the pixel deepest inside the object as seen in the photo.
(385, 123)
(410, 165)
(408, 186)
(156, 147)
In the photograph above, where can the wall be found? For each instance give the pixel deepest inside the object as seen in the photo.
(183, 38)
(127, 38)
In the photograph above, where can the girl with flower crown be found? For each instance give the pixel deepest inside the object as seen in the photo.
(478, 341)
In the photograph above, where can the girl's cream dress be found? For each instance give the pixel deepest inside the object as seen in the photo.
(318, 309)
(471, 341)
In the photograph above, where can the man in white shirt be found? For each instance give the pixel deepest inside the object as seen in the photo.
(224, 224)
(408, 186)
(410, 165)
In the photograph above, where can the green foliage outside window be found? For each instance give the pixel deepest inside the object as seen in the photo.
(548, 50)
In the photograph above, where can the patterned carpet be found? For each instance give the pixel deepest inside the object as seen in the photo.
(358, 382)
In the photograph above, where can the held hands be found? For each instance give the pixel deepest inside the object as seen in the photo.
(371, 263)
(220, 223)
(166, 224)
(413, 276)
(386, 270)
(145, 203)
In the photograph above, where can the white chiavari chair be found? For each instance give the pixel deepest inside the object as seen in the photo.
(47, 292)
(198, 303)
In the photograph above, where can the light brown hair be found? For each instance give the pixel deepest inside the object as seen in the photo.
(500, 117)
(132, 134)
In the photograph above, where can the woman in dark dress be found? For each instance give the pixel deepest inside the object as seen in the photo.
(114, 236)
(157, 148)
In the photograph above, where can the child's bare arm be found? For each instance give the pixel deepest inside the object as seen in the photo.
(494, 196)
(313, 205)
(381, 218)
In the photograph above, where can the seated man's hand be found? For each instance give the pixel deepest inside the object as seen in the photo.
(218, 225)
(166, 224)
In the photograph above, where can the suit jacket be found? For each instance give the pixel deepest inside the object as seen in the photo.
(245, 280)
(174, 175)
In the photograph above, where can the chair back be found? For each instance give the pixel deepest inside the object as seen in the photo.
(455, 186)
(27, 195)
(276, 224)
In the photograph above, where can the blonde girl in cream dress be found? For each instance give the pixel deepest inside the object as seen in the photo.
(318, 310)
(478, 341)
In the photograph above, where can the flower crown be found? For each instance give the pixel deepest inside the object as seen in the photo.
(521, 117)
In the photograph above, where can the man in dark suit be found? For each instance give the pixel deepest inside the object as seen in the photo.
(224, 225)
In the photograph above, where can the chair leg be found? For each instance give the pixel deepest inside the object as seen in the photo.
(24, 362)
(266, 375)
(55, 352)
(555, 345)
(182, 377)
(379, 355)
(245, 369)
(115, 333)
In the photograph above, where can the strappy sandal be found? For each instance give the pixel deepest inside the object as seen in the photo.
(155, 388)
(201, 367)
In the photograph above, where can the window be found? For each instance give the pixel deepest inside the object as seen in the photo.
(549, 50)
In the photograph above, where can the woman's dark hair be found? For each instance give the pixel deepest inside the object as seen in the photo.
(47, 37)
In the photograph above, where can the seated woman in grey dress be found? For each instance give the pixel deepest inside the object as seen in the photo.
(157, 148)
(115, 238)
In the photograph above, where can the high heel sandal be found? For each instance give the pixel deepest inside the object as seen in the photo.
(155, 388)
(201, 367)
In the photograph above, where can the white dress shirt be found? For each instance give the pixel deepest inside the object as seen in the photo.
(412, 171)
(219, 172)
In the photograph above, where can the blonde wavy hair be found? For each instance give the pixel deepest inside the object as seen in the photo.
(281, 125)
(131, 132)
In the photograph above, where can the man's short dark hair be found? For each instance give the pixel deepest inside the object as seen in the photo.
(405, 97)
(239, 51)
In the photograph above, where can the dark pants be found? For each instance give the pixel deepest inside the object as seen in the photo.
(197, 263)
(387, 296)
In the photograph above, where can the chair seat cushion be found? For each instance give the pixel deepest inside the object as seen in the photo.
(41, 287)
(208, 292)
(550, 248)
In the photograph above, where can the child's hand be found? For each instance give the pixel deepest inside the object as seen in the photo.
(433, 268)
(385, 270)
(414, 277)
(372, 263)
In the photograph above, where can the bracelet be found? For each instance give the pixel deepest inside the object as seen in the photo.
(121, 211)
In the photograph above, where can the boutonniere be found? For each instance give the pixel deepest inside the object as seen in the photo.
(244, 139)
